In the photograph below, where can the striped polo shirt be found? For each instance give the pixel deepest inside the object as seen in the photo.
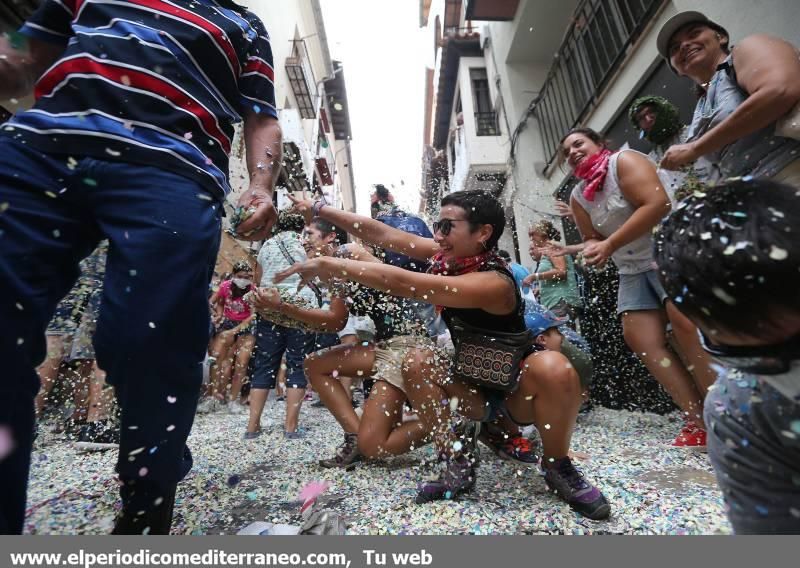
(155, 82)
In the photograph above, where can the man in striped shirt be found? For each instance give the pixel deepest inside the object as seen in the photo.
(128, 140)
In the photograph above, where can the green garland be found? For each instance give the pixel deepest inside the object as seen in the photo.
(668, 120)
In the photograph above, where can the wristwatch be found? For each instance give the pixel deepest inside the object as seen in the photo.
(317, 207)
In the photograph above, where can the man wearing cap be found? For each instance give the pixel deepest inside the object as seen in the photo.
(743, 91)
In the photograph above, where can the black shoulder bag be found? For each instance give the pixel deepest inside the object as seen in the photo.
(488, 358)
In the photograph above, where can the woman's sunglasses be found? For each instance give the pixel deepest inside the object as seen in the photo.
(444, 226)
(773, 359)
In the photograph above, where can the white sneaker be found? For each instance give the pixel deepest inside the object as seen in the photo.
(208, 406)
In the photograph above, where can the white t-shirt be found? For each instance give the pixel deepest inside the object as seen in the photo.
(272, 260)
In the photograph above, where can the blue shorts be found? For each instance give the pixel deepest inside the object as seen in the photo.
(272, 341)
(641, 291)
(325, 341)
(227, 325)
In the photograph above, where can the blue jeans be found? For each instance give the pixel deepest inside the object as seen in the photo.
(152, 332)
(272, 341)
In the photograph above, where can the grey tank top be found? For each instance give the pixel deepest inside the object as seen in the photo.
(608, 212)
(761, 154)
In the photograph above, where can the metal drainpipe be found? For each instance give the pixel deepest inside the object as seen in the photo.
(513, 221)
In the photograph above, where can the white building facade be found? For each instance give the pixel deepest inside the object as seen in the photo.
(551, 66)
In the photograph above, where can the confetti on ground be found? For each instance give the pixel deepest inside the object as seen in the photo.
(653, 489)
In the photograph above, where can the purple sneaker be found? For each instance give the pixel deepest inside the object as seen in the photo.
(572, 487)
(457, 476)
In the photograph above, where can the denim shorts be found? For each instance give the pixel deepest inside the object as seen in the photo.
(273, 341)
(641, 291)
(228, 324)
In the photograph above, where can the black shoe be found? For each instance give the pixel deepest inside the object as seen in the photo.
(347, 455)
(457, 477)
(467, 433)
(98, 436)
(145, 510)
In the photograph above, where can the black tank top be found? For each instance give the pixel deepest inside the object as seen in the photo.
(512, 322)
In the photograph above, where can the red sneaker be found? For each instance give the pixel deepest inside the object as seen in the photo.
(691, 437)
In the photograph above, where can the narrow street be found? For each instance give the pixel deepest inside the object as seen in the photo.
(652, 489)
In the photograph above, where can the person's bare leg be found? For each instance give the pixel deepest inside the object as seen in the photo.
(432, 394)
(294, 400)
(243, 350)
(549, 396)
(280, 380)
(221, 347)
(382, 431)
(323, 371)
(48, 371)
(80, 380)
(646, 336)
(258, 398)
(697, 360)
(101, 397)
(347, 382)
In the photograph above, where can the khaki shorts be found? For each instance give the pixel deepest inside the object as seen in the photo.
(391, 358)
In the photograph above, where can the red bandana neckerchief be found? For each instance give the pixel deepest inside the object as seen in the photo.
(455, 266)
(593, 171)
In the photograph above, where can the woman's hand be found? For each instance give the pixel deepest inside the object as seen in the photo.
(529, 280)
(304, 207)
(267, 299)
(562, 209)
(597, 253)
(554, 249)
(321, 267)
(679, 155)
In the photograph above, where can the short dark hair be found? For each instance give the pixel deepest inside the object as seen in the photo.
(325, 227)
(289, 222)
(482, 208)
(504, 255)
(590, 133)
(729, 257)
(241, 266)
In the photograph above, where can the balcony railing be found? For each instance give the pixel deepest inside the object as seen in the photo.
(301, 79)
(464, 31)
(593, 49)
(486, 124)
